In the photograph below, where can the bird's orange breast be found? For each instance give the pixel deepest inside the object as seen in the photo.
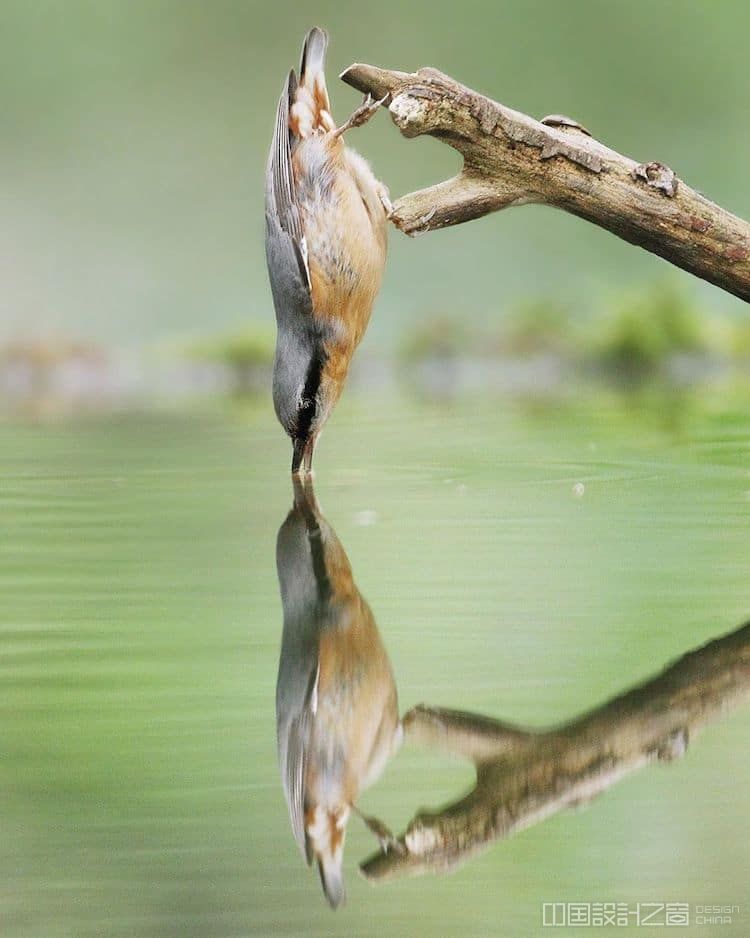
(356, 694)
(344, 225)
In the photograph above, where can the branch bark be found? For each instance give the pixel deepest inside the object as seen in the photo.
(511, 159)
(526, 776)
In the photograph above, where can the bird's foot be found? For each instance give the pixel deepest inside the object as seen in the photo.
(388, 841)
(362, 115)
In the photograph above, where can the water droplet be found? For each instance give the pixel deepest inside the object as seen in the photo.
(366, 518)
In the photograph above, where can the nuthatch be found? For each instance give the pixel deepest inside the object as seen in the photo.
(326, 218)
(336, 704)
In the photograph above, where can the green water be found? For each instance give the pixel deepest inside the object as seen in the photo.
(140, 624)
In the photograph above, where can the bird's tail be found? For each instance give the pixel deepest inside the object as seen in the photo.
(331, 869)
(311, 108)
(313, 60)
(325, 832)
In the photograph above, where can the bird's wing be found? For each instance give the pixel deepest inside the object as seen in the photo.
(294, 738)
(302, 579)
(296, 703)
(283, 221)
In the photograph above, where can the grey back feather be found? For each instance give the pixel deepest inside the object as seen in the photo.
(286, 252)
(300, 337)
(286, 257)
(304, 619)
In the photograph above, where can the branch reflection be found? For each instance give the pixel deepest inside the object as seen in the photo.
(526, 776)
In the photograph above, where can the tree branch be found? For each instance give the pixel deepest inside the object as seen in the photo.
(524, 776)
(510, 158)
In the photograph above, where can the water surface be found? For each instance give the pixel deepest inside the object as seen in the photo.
(525, 561)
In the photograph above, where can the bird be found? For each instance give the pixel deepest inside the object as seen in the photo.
(326, 239)
(337, 717)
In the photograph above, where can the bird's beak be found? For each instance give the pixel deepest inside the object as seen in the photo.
(304, 496)
(298, 456)
(302, 456)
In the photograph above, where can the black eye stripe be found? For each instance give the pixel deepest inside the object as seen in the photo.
(307, 406)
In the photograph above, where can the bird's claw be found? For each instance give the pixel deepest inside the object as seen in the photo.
(362, 114)
(386, 838)
(385, 201)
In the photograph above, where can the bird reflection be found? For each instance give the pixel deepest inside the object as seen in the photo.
(336, 703)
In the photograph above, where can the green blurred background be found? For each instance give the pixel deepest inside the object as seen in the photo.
(539, 469)
(135, 136)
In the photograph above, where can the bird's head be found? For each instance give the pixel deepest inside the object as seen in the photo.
(299, 395)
